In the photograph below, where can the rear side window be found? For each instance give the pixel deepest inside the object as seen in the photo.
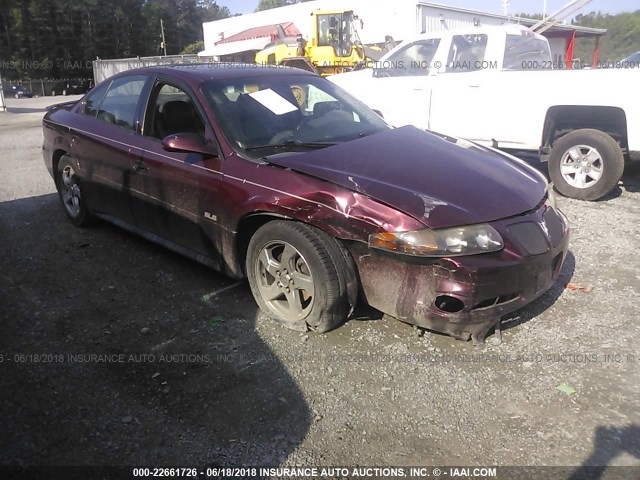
(467, 53)
(121, 101)
(526, 52)
(94, 99)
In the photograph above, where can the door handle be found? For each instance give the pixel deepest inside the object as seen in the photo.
(140, 167)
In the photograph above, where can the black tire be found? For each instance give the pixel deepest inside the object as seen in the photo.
(64, 93)
(610, 165)
(69, 187)
(317, 256)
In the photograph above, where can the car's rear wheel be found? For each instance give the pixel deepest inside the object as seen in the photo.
(69, 190)
(298, 275)
(585, 164)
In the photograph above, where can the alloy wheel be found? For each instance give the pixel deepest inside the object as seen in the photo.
(581, 166)
(285, 281)
(70, 191)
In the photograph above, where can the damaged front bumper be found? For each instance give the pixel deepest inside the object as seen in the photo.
(465, 297)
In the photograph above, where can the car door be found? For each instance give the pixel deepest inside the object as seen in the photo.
(403, 83)
(101, 141)
(460, 105)
(173, 192)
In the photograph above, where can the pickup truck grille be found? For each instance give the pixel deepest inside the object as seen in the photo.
(530, 236)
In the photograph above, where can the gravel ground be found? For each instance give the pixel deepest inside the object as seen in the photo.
(197, 376)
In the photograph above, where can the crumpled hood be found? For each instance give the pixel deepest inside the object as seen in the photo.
(431, 178)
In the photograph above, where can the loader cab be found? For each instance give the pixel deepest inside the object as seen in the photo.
(337, 30)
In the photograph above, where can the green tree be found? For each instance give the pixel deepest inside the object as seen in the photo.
(193, 48)
(268, 4)
(622, 38)
(534, 16)
(59, 39)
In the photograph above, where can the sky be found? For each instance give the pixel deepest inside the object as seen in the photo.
(493, 6)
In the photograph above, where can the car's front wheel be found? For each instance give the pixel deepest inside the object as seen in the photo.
(585, 164)
(69, 190)
(298, 275)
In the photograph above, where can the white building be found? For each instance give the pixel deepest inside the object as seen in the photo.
(399, 18)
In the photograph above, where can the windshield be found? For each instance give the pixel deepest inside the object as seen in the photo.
(271, 112)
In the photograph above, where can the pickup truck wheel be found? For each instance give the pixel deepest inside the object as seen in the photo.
(298, 275)
(68, 185)
(585, 164)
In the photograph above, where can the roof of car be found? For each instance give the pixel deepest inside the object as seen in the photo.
(202, 72)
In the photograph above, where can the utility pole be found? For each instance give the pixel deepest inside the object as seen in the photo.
(164, 42)
(544, 9)
(3, 107)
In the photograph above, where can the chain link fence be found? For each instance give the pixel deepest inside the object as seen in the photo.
(50, 87)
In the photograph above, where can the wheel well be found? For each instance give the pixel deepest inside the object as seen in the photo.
(246, 228)
(57, 155)
(561, 120)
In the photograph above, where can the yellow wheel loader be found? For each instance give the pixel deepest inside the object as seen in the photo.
(334, 47)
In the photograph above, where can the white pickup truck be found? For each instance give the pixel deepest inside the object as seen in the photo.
(495, 86)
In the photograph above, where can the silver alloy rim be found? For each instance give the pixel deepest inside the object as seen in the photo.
(70, 191)
(581, 166)
(284, 280)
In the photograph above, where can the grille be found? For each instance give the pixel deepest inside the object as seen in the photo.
(530, 236)
(554, 225)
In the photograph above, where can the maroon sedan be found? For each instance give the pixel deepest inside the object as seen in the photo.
(278, 175)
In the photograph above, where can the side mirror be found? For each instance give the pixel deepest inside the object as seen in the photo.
(188, 142)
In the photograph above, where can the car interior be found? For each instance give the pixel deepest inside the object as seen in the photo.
(174, 112)
(250, 122)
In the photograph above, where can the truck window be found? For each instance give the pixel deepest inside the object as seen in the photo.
(467, 53)
(412, 60)
(526, 53)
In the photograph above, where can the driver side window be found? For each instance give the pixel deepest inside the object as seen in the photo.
(172, 111)
(415, 58)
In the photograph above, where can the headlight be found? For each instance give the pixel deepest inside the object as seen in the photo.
(469, 240)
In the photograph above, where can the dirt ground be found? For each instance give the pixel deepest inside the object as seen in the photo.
(114, 351)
